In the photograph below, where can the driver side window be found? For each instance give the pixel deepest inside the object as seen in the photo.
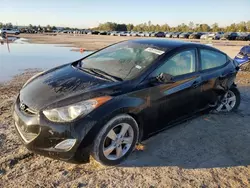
(180, 64)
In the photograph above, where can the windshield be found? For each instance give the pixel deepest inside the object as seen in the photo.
(124, 60)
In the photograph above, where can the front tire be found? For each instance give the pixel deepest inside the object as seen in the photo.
(230, 101)
(116, 140)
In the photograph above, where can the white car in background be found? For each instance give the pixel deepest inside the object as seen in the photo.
(216, 35)
(123, 33)
(212, 35)
(9, 31)
(205, 36)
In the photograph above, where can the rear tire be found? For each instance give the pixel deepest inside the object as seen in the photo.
(230, 101)
(116, 140)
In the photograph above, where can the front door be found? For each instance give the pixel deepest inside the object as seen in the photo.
(170, 102)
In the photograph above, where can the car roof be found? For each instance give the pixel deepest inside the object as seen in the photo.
(166, 43)
(172, 44)
(162, 42)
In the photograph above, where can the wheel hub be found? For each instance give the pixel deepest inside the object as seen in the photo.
(118, 141)
(224, 100)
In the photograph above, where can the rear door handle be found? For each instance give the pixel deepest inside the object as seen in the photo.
(225, 74)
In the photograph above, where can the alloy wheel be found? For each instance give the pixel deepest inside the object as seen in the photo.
(118, 141)
(227, 102)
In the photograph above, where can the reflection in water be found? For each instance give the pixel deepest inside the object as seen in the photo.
(24, 56)
(5, 39)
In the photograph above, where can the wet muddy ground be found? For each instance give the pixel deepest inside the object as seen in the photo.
(208, 151)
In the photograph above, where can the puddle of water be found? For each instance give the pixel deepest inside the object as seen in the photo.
(24, 56)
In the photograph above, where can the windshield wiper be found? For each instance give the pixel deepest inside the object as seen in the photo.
(101, 73)
(105, 74)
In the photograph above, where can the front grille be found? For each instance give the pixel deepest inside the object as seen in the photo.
(28, 133)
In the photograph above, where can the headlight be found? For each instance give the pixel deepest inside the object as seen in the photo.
(71, 112)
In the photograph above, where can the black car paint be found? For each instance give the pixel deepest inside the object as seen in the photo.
(154, 105)
(185, 35)
(160, 34)
(195, 35)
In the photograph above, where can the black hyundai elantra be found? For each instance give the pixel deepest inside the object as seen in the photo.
(104, 104)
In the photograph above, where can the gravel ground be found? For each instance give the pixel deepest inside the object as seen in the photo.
(208, 151)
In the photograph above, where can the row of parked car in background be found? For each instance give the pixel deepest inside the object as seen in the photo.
(244, 36)
(187, 35)
(182, 35)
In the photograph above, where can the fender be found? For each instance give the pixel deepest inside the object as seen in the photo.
(99, 117)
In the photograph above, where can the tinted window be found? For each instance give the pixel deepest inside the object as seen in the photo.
(180, 64)
(211, 59)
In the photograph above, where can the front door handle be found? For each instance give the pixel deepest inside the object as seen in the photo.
(196, 84)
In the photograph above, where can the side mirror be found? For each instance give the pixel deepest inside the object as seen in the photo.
(165, 78)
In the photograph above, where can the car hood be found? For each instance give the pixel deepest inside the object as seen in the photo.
(64, 85)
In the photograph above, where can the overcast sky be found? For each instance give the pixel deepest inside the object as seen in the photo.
(89, 13)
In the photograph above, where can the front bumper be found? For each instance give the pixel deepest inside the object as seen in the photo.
(42, 136)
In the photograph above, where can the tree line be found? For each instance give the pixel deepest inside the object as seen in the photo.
(30, 26)
(235, 27)
(112, 26)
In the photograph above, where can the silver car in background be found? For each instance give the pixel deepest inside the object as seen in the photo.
(216, 35)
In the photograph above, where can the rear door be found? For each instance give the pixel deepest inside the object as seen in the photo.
(217, 72)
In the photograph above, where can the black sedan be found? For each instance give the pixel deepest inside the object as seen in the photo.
(160, 34)
(196, 35)
(103, 33)
(229, 36)
(104, 104)
(185, 35)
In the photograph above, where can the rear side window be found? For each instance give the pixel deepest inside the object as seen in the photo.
(211, 59)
